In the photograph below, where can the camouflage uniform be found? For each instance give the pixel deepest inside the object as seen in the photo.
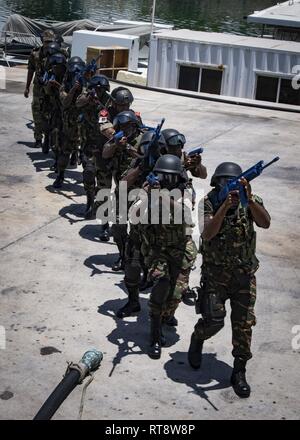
(70, 115)
(52, 112)
(120, 163)
(96, 175)
(169, 256)
(36, 63)
(228, 268)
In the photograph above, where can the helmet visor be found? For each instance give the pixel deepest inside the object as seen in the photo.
(178, 139)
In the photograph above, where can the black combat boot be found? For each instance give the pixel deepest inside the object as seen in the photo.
(118, 265)
(38, 143)
(74, 159)
(155, 337)
(238, 378)
(195, 352)
(89, 210)
(59, 180)
(132, 306)
(104, 233)
(46, 144)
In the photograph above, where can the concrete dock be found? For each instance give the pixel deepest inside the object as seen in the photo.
(59, 296)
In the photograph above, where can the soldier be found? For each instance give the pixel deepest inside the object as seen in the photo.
(169, 251)
(121, 152)
(36, 70)
(52, 108)
(121, 100)
(135, 177)
(174, 144)
(228, 271)
(90, 103)
(69, 92)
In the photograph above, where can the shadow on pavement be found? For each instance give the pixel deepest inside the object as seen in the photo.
(213, 375)
(92, 233)
(40, 161)
(101, 260)
(76, 210)
(131, 337)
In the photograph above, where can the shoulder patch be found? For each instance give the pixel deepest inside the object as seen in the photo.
(104, 113)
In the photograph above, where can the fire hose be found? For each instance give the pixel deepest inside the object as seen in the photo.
(75, 375)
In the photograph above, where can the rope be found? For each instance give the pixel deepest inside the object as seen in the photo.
(83, 395)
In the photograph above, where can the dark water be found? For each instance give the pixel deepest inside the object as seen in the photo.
(208, 15)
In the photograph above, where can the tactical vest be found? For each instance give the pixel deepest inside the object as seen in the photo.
(38, 61)
(89, 125)
(165, 235)
(71, 113)
(235, 244)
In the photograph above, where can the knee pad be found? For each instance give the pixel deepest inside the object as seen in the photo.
(212, 308)
(205, 328)
(160, 291)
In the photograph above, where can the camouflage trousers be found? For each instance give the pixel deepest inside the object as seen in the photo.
(37, 111)
(239, 286)
(70, 145)
(134, 261)
(169, 268)
(96, 176)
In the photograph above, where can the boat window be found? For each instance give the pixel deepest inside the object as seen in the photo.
(288, 95)
(189, 78)
(273, 89)
(211, 81)
(267, 88)
(198, 79)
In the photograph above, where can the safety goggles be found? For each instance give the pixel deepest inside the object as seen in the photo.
(178, 139)
(75, 68)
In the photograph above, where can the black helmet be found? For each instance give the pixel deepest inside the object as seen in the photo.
(57, 58)
(168, 164)
(122, 96)
(124, 118)
(227, 170)
(173, 138)
(76, 60)
(99, 81)
(53, 48)
(168, 169)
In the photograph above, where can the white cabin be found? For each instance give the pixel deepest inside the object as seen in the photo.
(224, 64)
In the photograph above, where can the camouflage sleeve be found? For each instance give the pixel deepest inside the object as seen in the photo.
(31, 62)
(208, 209)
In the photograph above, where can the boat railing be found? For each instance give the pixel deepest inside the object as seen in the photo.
(8, 37)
